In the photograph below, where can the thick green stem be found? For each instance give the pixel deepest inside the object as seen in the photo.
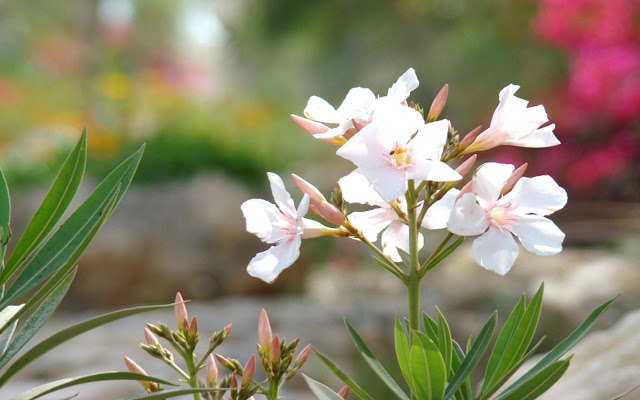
(413, 282)
(193, 375)
(273, 391)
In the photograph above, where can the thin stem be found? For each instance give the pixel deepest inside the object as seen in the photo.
(387, 263)
(413, 283)
(445, 240)
(193, 375)
(179, 370)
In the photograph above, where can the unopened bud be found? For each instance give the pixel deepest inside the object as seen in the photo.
(438, 104)
(344, 392)
(132, 366)
(193, 327)
(150, 337)
(468, 188)
(514, 178)
(274, 349)
(320, 204)
(464, 168)
(227, 329)
(264, 331)
(180, 310)
(303, 356)
(233, 383)
(469, 139)
(316, 129)
(211, 372)
(225, 362)
(249, 370)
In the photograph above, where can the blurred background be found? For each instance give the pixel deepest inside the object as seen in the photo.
(209, 85)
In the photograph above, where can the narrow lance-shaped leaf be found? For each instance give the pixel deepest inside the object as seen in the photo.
(53, 206)
(563, 346)
(427, 368)
(374, 363)
(37, 319)
(465, 391)
(75, 234)
(430, 327)
(5, 215)
(321, 391)
(167, 394)
(355, 388)
(473, 356)
(402, 351)
(51, 387)
(69, 333)
(444, 341)
(533, 387)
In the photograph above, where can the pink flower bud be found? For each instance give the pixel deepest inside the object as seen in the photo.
(225, 362)
(316, 128)
(150, 337)
(514, 178)
(211, 372)
(249, 370)
(180, 310)
(264, 331)
(344, 392)
(438, 104)
(464, 168)
(132, 366)
(193, 327)
(468, 188)
(234, 382)
(469, 139)
(304, 354)
(274, 349)
(227, 329)
(320, 204)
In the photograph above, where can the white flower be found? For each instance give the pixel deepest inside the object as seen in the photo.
(520, 212)
(280, 224)
(355, 111)
(356, 189)
(515, 124)
(396, 146)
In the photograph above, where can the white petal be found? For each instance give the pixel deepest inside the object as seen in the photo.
(467, 217)
(366, 149)
(542, 137)
(495, 250)
(357, 189)
(389, 182)
(303, 207)
(488, 181)
(442, 172)
(538, 234)
(332, 133)
(396, 236)
(372, 222)
(268, 264)
(404, 85)
(438, 214)
(312, 229)
(263, 219)
(430, 140)
(397, 123)
(540, 195)
(358, 104)
(281, 196)
(319, 110)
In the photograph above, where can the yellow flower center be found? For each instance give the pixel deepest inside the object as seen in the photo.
(500, 215)
(400, 158)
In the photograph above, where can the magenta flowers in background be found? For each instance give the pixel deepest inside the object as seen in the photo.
(597, 108)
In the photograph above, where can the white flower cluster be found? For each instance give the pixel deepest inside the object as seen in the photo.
(393, 147)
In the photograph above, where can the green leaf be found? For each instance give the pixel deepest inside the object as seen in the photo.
(355, 388)
(444, 341)
(563, 346)
(321, 391)
(5, 214)
(427, 368)
(166, 394)
(539, 383)
(37, 319)
(402, 351)
(430, 327)
(444, 254)
(465, 391)
(75, 234)
(473, 356)
(53, 206)
(78, 380)
(374, 363)
(69, 333)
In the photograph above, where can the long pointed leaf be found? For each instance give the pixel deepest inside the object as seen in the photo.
(166, 394)
(340, 374)
(69, 333)
(444, 341)
(5, 215)
(51, 387)
(37, 319)
(473, 356)
(322, 392)
(533, 387)
(563, 346)
(402, 351)
(465, 391)
(74, 235)
(53, 206)
(430, 327)
(374, 363)
(427, 368)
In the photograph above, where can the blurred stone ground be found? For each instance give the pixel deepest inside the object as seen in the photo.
(189, 236)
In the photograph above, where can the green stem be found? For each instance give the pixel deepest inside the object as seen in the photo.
(193, 375)
(413, 282)
(435, 253)
(387, 263)
(273, 391)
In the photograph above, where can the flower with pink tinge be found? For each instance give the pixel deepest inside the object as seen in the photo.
(521, 212)
(397, 146)
(279, 224)
(515, 124)
(355, 111)
(395, 232)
